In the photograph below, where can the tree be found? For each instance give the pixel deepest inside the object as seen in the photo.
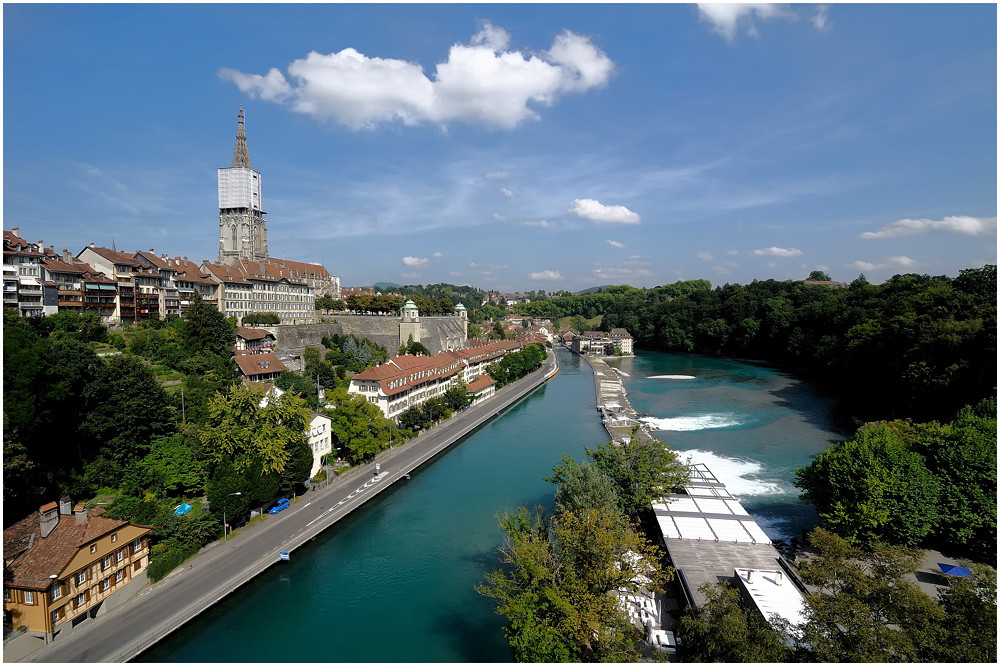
(868, 609)
(207, 329)
(642, 469)
(241, 430)
(175, 466)
(559, 591)
(819, 276)
(872, 487)
(128, 409)
(970, 606)
(582, 486)
(724, 630)
(361, 430)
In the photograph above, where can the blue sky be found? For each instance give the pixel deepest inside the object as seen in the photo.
(516, 147)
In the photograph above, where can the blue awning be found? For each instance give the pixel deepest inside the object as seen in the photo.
(954, 570)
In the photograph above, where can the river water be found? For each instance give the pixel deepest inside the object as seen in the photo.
(394, 582)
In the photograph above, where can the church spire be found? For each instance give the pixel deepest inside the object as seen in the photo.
(241, 156)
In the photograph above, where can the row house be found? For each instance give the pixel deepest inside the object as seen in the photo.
(178, 282)
(122, 268)
(261, 286)
(408, 381)
(80, 287)
(62, 562)
(24, 285)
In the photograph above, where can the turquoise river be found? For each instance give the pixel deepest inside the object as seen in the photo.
(395, 581)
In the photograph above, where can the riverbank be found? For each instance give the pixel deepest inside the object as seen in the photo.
(221, 568)
(617, 414)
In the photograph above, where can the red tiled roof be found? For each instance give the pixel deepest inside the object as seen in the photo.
(479, 383)
(252, 333)
(32, 566)
(255, 365)
(115, 257)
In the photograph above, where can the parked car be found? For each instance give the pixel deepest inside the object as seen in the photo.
(280, 506)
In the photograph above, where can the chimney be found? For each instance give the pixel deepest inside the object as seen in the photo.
(67, 257)
(80, 512)
(777, 578)
(16, 231)
(66, 506)
(91, 245)
(49, 518)
(152, 251)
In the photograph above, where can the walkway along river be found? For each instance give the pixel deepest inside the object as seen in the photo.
(133, 627)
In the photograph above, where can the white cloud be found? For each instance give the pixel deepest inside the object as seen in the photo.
(727, 18)
(778, 252)
(598, 212)
(546, 275)
(498, 217)
(507, 192)
(615, 243)
(821, 21)
(634, 269)
(497, 175)
(962, 225)
(478, 83)
(544, 224)
(725, 268)
(733, 252)
(438, 254)
(705, 256)
(415, 262)
(887, 263)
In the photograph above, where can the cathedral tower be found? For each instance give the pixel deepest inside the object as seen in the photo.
(242, 231)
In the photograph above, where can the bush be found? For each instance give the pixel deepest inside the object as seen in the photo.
(165, 563)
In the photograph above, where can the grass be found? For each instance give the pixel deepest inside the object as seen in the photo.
(592, 324)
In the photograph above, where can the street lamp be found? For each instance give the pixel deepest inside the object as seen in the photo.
(225, 526)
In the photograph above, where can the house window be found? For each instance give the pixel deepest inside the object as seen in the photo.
(29, 598)
(55, 616)
(105, 584)
(6, 594)
(81, 577)
(106, 562)
(80, 599)
(56, 591)
(93, 547)
(121, 555)
(119, 575)
(114, 537)
(137, 545)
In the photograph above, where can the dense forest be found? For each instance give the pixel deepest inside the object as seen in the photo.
(915, 346)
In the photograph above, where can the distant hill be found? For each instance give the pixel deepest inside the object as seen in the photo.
(593, 289)
(383, 286)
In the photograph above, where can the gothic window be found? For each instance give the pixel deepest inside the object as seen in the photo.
(234, 236)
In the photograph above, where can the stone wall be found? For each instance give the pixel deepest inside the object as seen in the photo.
(436, 333)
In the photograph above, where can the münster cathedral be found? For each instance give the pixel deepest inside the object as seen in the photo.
(243, 229)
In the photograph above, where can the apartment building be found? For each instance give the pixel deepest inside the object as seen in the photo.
(62, 562)
(261, 286)
(407, 381)
(24, 285)
(123, 268)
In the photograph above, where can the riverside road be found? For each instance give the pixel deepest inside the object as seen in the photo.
(126, 631)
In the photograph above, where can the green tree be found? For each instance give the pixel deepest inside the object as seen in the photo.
(174, 463)
(642, 469)
(872, 488)
(361, 430)
(207, 329)
(582, 486)
(819, 276)
(970, 606)
(724, 630)
(241, 430)
(128, 409)
(559, 588)
(868, 608)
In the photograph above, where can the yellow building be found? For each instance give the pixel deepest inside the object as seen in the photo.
(62, 562)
